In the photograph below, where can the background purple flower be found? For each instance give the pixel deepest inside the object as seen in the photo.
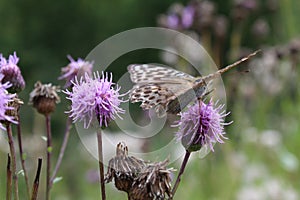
(201, 126)
(94, 99)
(75, 68)
(12, 73)
(5, 98)
(178, 18)
(188, 16)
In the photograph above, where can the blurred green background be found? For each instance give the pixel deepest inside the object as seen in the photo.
(261, 158)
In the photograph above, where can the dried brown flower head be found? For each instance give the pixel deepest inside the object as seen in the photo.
(44, 97)
(154, 182)
(15, 104)
(123, 168)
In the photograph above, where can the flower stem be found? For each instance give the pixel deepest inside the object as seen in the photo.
(35, 187)
(49, 151)
(101, 167)
(62, 150)
(183, 165)
(22, 157)
(13, 158)
(8, 179)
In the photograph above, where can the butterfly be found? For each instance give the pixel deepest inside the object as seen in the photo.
(168, 90)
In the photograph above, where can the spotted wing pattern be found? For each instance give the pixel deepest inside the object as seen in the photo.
(157, 86)
(146, 73)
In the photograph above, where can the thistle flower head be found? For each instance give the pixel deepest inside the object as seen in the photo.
(12, 73)
(123, 168)
(5, 99)
(154, 182)
(94, 99)
(75, 68)
(202, 124)
(44, 97)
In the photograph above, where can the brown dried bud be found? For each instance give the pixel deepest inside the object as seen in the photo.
(15, 104)
(44, 97)
(294, 46)
(281, 53)
(154, 182)
(123, 168)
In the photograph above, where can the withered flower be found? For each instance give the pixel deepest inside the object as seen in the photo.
(154, 182)
(44, 97)
(123, 168)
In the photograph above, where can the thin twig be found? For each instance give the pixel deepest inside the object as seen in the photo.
(101, 167)
(62, 150)
(36, 183)
(8, 179)
(183, 165)
(22, 157)
(49, 151)
(14, 164)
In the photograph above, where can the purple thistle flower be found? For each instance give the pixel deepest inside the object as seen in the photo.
(5, 99)
(75, 68)
(12, 73)
(94, 99)
(188, 16)
(201, 126)
(173, 21)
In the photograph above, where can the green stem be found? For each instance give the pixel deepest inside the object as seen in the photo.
(22, 157)
(101, 167)
(206, 39)
(8, 179)
(36, 183)
(62, 150)
(182, 168)
(49, 151)
(14, 164)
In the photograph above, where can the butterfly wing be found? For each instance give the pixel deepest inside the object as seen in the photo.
(157, 86)
(146, 73)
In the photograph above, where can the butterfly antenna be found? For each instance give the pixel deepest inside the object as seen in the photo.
(221, 71)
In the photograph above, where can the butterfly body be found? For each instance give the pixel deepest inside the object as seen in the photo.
(176, 105)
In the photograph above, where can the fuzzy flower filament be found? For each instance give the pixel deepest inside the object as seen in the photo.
(75, 68)
(12, 73)
(94, 99)
(202, 124)
(5, 99)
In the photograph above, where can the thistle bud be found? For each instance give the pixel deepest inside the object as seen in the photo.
(123, 168)
(12, 73)
(202, 124)
(75, 69)
(154, 182)
(44, 97)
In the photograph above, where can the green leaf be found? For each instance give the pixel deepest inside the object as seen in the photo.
(24, 156)
(49, 149)
(21, 172)
(44, 138)
(57, 179)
